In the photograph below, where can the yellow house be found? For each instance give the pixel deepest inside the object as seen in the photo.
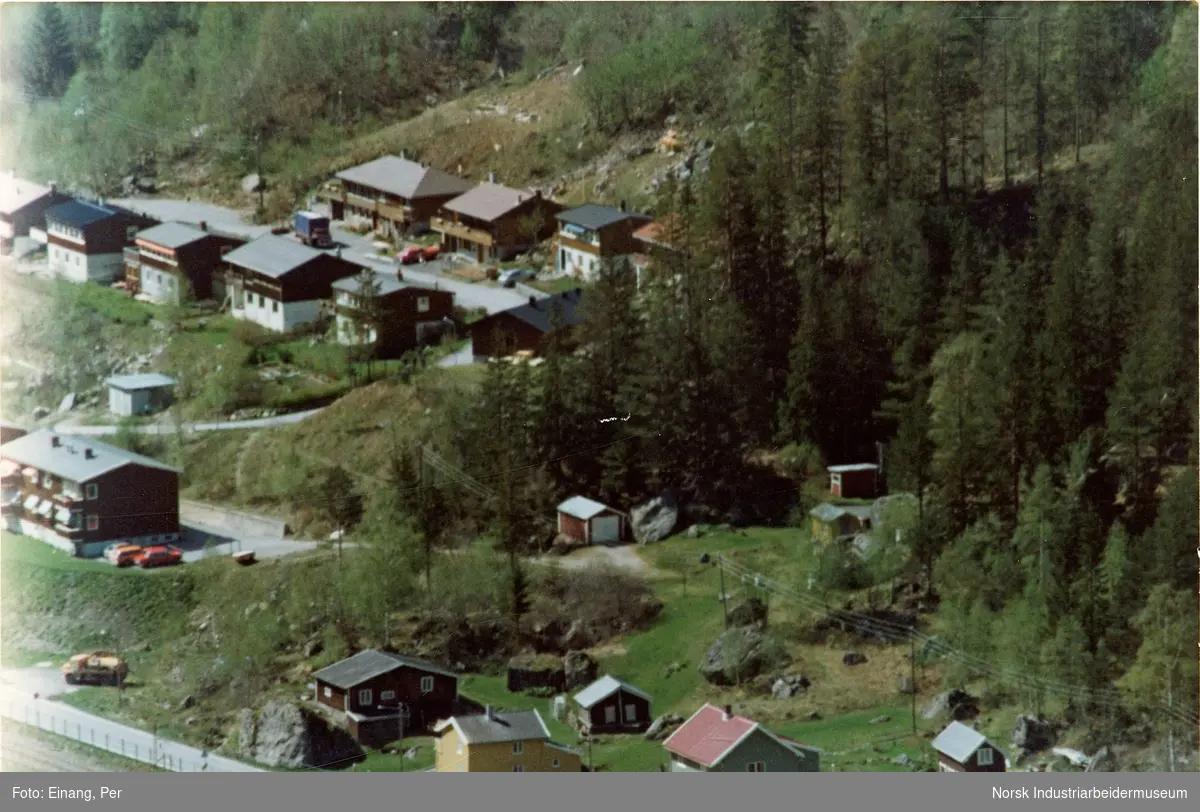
(501, 742)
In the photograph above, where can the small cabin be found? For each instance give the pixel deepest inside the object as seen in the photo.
(610, 705)
(962, 749)
(858, 481)
(589, 522)
(130, 395)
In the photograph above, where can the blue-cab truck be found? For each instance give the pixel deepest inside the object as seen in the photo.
(313, 229)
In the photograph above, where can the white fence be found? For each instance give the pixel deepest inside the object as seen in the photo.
(137, 745)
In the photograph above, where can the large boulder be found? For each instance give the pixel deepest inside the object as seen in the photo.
(959, 704)
(289, 736)
(1033, 734)
(752, 612)
(789, 685)
(737, 655)
(252, 183)
(579, 669)
(660, 728)
(656, 519)
(853, 658)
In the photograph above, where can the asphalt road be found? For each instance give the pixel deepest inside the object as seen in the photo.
(17, 702)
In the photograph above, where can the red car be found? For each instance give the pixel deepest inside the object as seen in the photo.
(160, 556)
(431, 252)
(410, 255)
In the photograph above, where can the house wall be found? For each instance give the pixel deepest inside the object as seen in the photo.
(501, 332)
(31, 216)
(399, 328)
(451, 755)
(331, 696)
(761, 747)
(75, 265)
(855, 485)
(595, 719)
(572, 527)
(998, 765)
(421, 709)
(535, 756)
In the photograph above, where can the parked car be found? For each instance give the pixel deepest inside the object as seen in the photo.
(122, 555)
(160, 556)
(510, 279)
(410, 255)
(431, 252)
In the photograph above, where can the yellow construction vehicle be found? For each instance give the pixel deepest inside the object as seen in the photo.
(95, 668)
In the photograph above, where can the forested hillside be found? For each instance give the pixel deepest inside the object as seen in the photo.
(965, 231)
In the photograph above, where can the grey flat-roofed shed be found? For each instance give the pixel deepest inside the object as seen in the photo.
(145, 393)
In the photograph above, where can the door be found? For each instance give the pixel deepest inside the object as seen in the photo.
(610, 715)
(606, 528)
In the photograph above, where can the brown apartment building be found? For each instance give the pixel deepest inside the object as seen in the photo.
(395, 195)
(493, 223)
(80, 495)
(174, 262)
(403, 315)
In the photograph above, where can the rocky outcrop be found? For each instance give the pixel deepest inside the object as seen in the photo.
(579, 669)
(661, 727)
(959, 704)
(790, 685)
(289, 736)
(656, 519)
(536, 673)
(737, 655)
(1032, 734)
(751, 613)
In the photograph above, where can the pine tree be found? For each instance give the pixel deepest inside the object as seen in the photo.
(1068, 660)
(49, 62)
(1170, 544)
(1039, 544)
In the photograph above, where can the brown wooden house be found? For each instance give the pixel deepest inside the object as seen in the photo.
(80, 495)
(174, 262)
(86, 241)
(962, 749)
(525, 328)
(11, 431)
(23, 207)
(493, 223)
(403, 315)
(858, 481)
(395, 195)
(609, 705)
(281, 284)
(383, 696)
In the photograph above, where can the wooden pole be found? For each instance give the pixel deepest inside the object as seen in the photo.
(724, 597)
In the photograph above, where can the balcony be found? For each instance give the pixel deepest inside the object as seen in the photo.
(453, 229)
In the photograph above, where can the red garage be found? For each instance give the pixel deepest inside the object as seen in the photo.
(587, 521)
(859, 481)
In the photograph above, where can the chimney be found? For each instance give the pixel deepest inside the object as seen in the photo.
(55, 442)
(488, 712)
(491, 177)
(727, 714)
(533, 301)
(204, 225)
(339, 252)
(53, 188)
(404, 154)
(538, 194)
(89, 454)
(622, 206)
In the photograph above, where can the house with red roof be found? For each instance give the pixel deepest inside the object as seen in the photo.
(714, 740)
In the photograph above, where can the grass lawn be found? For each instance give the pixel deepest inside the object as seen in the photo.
(93, 754)
(552, 286)
(395, 762)
(16, 550)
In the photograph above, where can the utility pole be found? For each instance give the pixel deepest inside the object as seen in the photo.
(724, 598)
(1041, 106)
(1004, 104)
(258, 141)
(912, 666)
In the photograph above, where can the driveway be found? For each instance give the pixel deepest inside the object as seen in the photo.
(620, 556)
(462, 357)
(17, 702)
(199, 541)
(168, 428)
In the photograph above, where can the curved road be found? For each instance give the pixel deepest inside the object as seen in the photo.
(167, 428)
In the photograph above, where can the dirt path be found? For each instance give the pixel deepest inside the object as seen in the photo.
(623, 557)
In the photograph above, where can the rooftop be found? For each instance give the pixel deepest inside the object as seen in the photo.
(145, 380)
(69, 460)
(959, 742)
(371, 663)
(16, 194)
(537, 313)
(656, 231)
(79, 213)
(711, 734)
(582, 508)
(273, 255)
(489, 201)
(594, 217)
(388, 283)
(404, 178)
(171, 235)
(605, 687)
(498, 726)
(858, 466)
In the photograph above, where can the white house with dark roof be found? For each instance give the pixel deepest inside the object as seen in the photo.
(80, 494)
(591, 234)
(281, 284)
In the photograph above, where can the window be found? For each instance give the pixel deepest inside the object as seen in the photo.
(756, 767)
(328, 692)
(985, 757)
(631, 713)
(610, 715)
(364, 696)
(423, 304)
(92, 490)
(554, 764)
(519, 768)
(426, 685)
(384, 696)
(93, 522)
(518, 748)
(274, 306)
(460, 749)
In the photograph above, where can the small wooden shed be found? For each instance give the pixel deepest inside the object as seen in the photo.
(962, 749)
(590, 522)
(858, 481)
(610, 705)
